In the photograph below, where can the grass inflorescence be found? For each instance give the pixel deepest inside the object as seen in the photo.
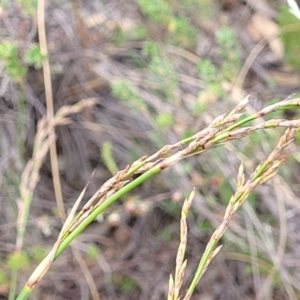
(223, 129)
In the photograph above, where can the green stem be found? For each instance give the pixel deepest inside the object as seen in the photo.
(26, 291)
(98, 210)
(241, 122)
(20, 236)
(201, 267)
(13, 282)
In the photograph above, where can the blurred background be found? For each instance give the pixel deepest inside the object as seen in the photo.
(160, 71)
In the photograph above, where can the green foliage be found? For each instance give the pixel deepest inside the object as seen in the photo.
(216, 88)
(213, 75)
(165, 13)
(16, 66)
(29, 6)
(163, 69)
(124, 91)
(135, 34)
(20, 261)
(34, 57)
(124, 283)
(290, 38)
(230, 52)
(8, 50)
(213, 78)
(151, 49)
(12, 63)
(164, 120)
(208, 71)
(158, 11)
(119, 37)
(165, 74)
(200, 106)
(226, 38)
(139, 33)
(182, 32)
(201, 8)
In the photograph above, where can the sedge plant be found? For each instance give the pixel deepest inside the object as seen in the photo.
(227, 127)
